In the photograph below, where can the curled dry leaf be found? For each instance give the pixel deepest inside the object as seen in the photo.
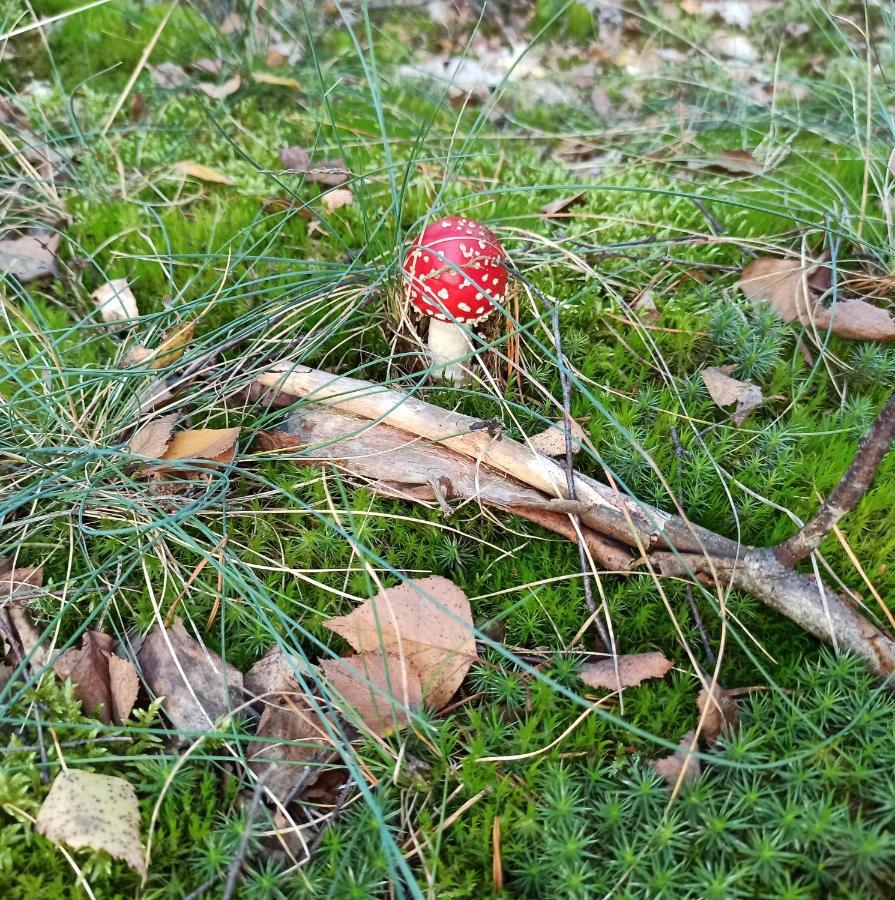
(103, 681)
(562, 205)
(29, 257)
(197, 685)
(333, 200)
(330, 172)
(291, 732)
(552, 440)
(116, 301)
(173, 345)
(632, 669)
(380, 689)
(725, 390)
(16, 587)
(793, 290)
(428, 622)
(207, 65)
(222, 90)
(203, 173)
(96, 812)
(153, 438)
(723, 714)
(271, 441)
(680, 765)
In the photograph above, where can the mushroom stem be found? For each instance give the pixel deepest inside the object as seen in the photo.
(448, 345)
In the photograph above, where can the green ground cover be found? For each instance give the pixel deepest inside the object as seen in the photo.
(798, 803)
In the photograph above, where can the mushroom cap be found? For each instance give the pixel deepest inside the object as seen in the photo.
(453, 271)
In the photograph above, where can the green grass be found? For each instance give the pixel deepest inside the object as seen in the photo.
(586, 816)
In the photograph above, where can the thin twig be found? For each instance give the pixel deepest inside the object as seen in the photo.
(239, 859)
(848, 493)
(569, 467)
(697, 618)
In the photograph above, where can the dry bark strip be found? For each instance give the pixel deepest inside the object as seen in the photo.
(674, 545)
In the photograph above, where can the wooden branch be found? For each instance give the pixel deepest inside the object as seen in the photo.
(500, 471)
(848, 493)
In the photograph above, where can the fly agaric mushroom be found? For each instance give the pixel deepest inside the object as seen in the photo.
(455, 276)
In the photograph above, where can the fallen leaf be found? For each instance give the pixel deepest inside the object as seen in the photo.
(681, 761)
(198, 687)
(600, 101)
(16, 586)
(153, 438)
(736, 162)
(784, 283)
(725, 390)
(556, 208)
(645, 306)
(200, 443)
(333, 200)
(168, 74)
(381, 689)
(330, 172)
(552, 440)
(97, 812)
(99, 682)
(222, 90)
(203, 173)
(206, 65)
(116, 301)
(232, 23)
(29, 257)
(794, 290)
(276, 80)
(723, 714)
(20, 582)
(733, 46)
(271, 441)
(858, 320)
(173, 345)
(286, 717)
(632, 669)
(428, 622)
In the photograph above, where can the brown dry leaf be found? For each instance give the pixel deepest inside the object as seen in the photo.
(435, 635)
(153, 438)
(20, 582)
(645, 306)
(276, 80)
(723, 713)
(725, 390)
(29, 257)
(99, 682)
(203, 173)
(174, 344)
(198, 686)
(200, 443)
(793, 290)
(561, 205)
(600, 101)
(734, 162)
(632, 669)
(329, 172)
(552, 440)
(16, 586)
(222, 90)
(97, 812)
(333, 200)
(381, 689)
(287, 718)
(116, 301)
(670, 767)
(858, 320)
(271, 441)
(784, 283)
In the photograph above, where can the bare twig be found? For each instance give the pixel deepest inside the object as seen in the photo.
(848, 493)
(238, 860)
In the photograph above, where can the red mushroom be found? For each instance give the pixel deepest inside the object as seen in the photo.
(454, 274)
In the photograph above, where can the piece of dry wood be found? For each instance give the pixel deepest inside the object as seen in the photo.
(698, 552)
(609, 511)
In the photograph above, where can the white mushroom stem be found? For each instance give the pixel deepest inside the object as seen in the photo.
(449, 347)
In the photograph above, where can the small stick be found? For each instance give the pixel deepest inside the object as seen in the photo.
(848, 493)
(569, 467)
(697, 618)
(238, 861)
